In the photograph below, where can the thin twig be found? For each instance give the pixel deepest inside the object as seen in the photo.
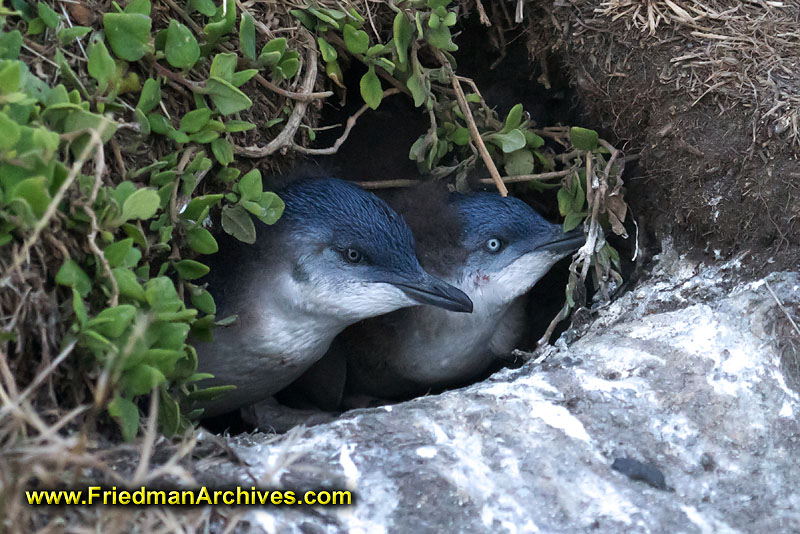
(40, 377)
(149, 438)
(348, 126)
(100, 168)
(388, 184)
(530, 177)
(287, 134)
(303, 97)
(782, 307)
(473, 128)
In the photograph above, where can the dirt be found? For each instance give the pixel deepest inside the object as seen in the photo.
(711, 172)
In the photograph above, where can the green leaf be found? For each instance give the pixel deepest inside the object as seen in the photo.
(36, 27)
(191, 270)
(204, 302)
(115, 253)
(67, 35)
(273, 207)
(371, 90)
(169, 414)
(128, 34)
(112, 322)
(461, 136)
(142, 204)
(533, 140)
(272, 52)
(198, 205)
(251, 186)
(564, 197)
(328, 52)
(142, 379)
(417, 88)
(223, 66)
(10, 44)
(11, 132)
(181, 48)
(227, 98)
(403, 34)
(158, 123)
(79, 308)
(513, 119)
(509, 142)
(216, 30)
(375, 50)
(34, 192)
(572, 220)
(583, 138)
(222, 150)
(238, 126)
(247, 36)
(242, 77)
(288, 66)
(127, 284)
(309, 22)
(71, 275)
(101, 65)
(237, 222)
(47, 15)
(519, 162)
(440, 38)
(334, 72)
(161, 294)
(205, 7)
(138, 6)
(10, 77)
(253, 207)
(269, 59)
(205, 136)
(357, 41)
(201, 241)
(127, 415)
(194, 121)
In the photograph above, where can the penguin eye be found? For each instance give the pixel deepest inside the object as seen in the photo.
(494, 245)
(353, 255)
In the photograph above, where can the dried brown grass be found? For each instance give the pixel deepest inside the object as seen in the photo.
(736, 53)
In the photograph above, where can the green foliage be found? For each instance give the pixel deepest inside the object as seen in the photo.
(130, 279)
(136, 299)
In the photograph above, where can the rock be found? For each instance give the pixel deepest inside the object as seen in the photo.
(679, 380)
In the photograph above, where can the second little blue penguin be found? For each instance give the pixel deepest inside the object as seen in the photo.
(502, 247)
(337, 255)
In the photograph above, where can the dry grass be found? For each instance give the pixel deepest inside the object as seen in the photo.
(47, 448)
(736, 53)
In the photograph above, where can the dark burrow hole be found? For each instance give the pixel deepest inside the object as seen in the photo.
(377, 149)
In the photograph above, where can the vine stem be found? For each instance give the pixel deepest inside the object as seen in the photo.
(473, 128)
(342, 138)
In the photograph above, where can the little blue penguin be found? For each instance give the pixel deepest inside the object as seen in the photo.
(337, 255)
(491, 247)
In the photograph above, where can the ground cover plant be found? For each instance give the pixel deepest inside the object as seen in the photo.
(126, 125)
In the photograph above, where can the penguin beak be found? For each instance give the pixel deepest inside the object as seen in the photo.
(564, 243)
(432, 291)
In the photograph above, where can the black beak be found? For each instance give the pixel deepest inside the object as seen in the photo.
(433, 291)
(564, 243)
